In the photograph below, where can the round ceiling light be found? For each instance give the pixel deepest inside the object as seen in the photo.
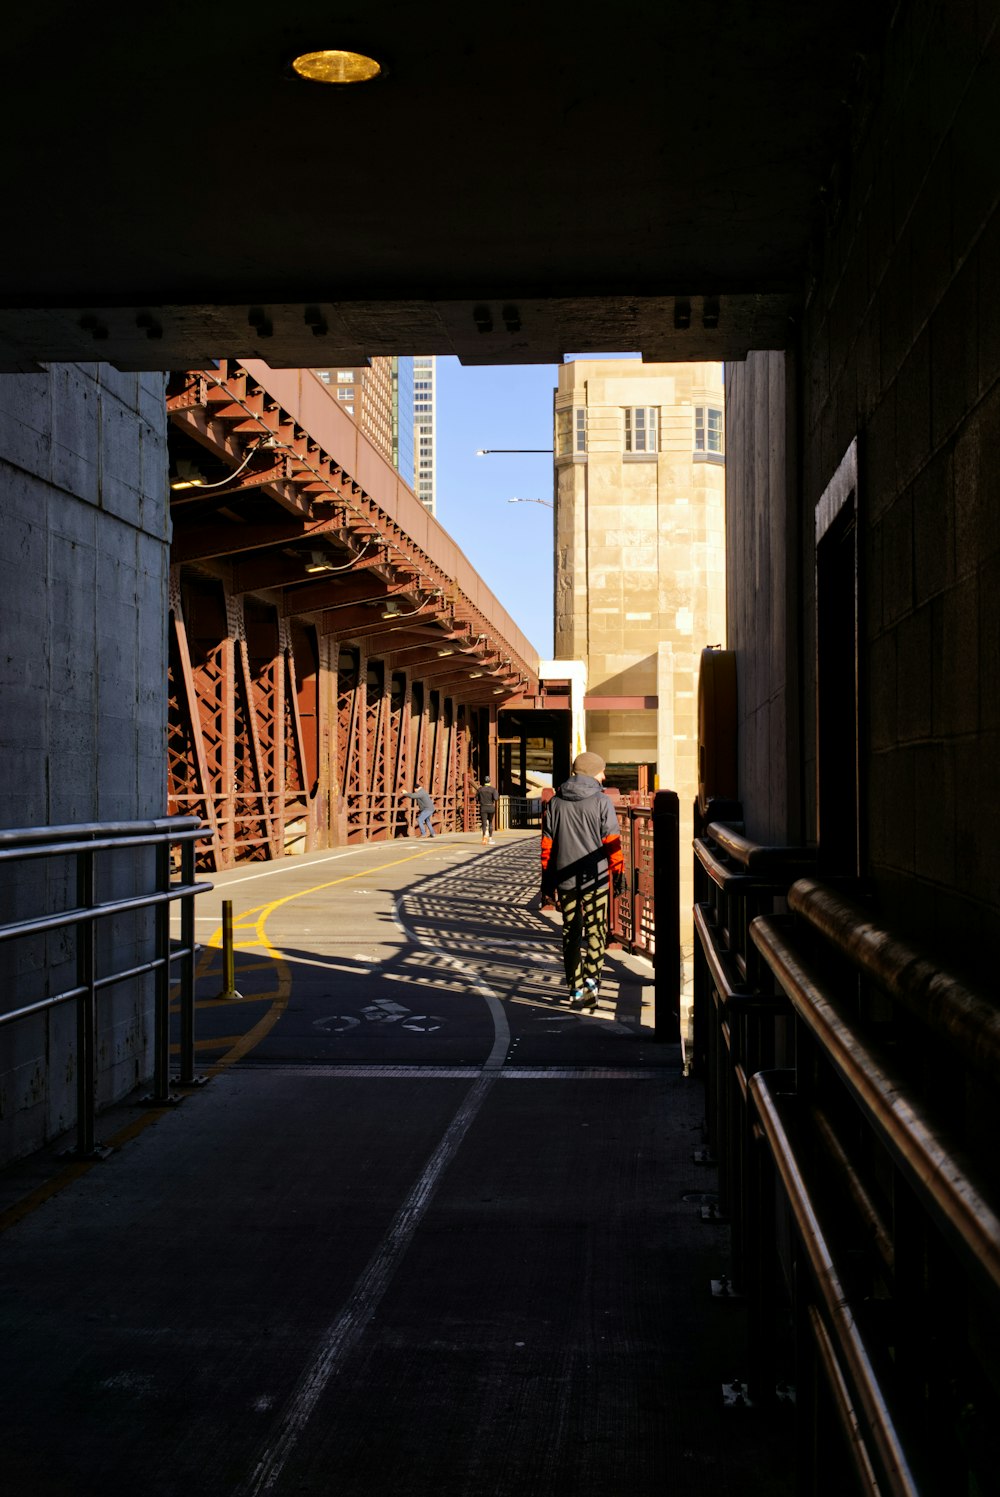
(336, 67)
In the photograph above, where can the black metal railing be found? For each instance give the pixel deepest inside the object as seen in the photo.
(518, 812)
(84, 862)
(650, 835)
(850, 1088)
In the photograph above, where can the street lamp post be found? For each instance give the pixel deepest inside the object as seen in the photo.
(488, 451)
(547, 502)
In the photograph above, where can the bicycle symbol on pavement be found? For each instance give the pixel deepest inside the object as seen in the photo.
(383, 1011)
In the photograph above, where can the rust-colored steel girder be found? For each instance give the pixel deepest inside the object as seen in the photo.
(329, 644)
(236, 747)
(332, 489)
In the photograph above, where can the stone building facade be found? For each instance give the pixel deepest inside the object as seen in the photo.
(640, 560)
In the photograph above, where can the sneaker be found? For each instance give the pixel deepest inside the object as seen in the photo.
(583, 1000)
(592, 986)
(492, 842)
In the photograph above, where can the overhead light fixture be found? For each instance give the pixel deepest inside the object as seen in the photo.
(498, 691)
(392, 610)
(319, 562)
(474, 674)
(335, 66)
(447, 650)
(188, 476)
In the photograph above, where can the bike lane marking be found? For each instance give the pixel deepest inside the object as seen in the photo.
(344, 1332)
(72, 1172)
(253, 921)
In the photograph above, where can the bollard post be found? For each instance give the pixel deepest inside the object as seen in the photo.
(228, 953)
(666, 904)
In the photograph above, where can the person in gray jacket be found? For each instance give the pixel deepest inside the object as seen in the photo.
(425, 809)
(581, 857)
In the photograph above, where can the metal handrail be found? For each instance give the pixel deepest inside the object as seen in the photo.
(850, 1353)
(830, 959)
(944, 1005)
(83, 842)
(857, 1152)
(755, 857)
(902, 1123)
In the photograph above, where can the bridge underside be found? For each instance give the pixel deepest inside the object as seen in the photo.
(509, 191)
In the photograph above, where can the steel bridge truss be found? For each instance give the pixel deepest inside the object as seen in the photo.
(322, 661)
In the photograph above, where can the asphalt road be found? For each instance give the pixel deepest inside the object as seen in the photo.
(422, 1230)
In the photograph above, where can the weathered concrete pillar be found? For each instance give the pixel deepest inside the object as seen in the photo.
(83, 612)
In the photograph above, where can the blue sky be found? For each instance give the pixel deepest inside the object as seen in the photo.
(510, 545)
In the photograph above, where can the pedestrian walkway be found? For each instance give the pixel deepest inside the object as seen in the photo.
(422, 1231)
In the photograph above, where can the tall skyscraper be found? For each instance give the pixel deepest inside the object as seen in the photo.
(424, 430)
(403, 454)
(366, 393)
(392, 400)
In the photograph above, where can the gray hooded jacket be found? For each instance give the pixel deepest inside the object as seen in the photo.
(578, 824)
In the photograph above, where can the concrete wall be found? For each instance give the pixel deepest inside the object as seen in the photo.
(901, 348)
(764, 618)
(83, 596)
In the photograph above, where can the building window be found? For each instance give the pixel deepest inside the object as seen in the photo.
(571, 431)
(344, 376)
(640, 428)
(707, 428)
(345, 394)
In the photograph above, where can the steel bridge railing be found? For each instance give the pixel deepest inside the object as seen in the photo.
(851, 1095)
(91, 849)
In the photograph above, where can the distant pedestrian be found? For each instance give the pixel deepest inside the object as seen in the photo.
(488, 797)
(425, 809)
(581, 852)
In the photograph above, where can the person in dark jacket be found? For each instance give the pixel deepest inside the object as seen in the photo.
(425, 809)
(581, 855)
(487, 797)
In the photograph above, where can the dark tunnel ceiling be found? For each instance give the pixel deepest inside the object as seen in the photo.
(523, 183)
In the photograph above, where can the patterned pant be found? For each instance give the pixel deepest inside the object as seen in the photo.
(584, 934)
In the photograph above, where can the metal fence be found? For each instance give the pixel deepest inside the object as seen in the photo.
(93, 852)
(851, 1101)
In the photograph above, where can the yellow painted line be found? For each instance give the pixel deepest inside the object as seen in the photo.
(264, 997)
(243, 1046)
(76, 1170)
(215, 1043)
(255, 919)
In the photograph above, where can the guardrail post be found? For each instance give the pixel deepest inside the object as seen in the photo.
(186, 1076)
(86, 1012)
(161, 982)
(666, 903)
